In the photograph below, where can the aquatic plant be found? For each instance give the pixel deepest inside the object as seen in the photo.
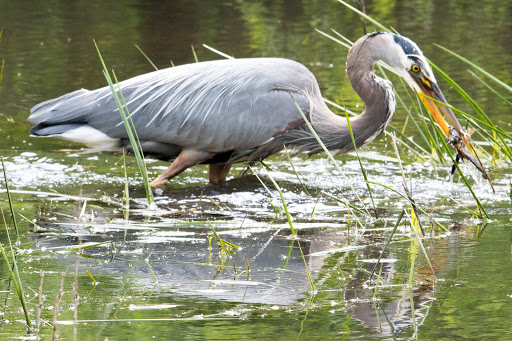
(13, 269)
(130, 129)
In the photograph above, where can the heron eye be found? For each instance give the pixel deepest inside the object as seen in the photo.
(415, 68)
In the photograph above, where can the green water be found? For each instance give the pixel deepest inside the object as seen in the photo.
(262, 292)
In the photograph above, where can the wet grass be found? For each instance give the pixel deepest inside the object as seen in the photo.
(289, 219)
(488, 132)
(361, 165)
(331, 158)
(130, 129)
(146, 292)
(13, 268)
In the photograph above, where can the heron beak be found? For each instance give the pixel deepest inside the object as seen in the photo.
(438, 110)
(456, 136)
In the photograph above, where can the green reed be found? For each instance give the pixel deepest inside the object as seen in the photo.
(487, 130)
(130, 129)
(13, 269)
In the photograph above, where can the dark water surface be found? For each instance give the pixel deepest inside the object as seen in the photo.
(262, 292)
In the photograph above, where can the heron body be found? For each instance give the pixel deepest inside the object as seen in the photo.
(226, 111)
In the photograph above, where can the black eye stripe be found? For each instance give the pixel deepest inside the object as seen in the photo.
(415, 59)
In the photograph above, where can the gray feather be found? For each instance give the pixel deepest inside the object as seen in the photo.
(211, 106)
(41, 130)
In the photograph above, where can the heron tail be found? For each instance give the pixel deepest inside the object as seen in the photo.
(70, 108)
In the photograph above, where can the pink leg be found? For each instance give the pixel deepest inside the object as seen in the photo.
(186, 159)
(219, 172)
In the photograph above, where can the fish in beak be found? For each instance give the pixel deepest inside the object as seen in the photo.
(435, 102)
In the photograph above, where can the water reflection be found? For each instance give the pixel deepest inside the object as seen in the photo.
(267, 270)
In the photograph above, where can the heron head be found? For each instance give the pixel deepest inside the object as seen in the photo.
(410, 63)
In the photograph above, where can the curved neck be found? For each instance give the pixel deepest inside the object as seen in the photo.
(379, 105)
(379, 99)
(376, 93)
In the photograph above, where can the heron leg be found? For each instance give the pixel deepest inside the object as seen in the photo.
(186, 159)
(218, 172)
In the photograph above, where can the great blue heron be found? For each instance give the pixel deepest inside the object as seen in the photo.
(226, 111)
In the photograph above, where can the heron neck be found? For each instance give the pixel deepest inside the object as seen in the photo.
(377, 95)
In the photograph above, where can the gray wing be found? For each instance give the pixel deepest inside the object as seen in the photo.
(210, 106)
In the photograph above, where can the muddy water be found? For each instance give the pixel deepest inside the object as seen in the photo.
(160, 274)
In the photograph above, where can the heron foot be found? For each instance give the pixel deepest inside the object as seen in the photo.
(158, 183)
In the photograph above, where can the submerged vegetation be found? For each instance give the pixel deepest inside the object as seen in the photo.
(325, 248)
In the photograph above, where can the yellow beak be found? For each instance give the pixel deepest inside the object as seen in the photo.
(431, 90)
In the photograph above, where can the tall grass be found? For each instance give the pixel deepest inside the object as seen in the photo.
(289, 219)
(487, 131)
(361, 165)
(130, 129)
(502, 84)
(290, 222)
(329, 155)
(13, 269)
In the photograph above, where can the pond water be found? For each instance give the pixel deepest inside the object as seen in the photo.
(160, 273)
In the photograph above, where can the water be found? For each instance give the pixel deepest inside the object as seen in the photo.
(262, 292)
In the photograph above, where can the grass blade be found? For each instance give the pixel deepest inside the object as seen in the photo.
(285, 207)
(390, 237)
(130, 129)
(14, 273)
(295, 171)
(473, 65)
(361, 165)
(348, 46)
(227, 56)
(195, 54)
(15, 276)
(149, 60)
(329, 155)
(494, 91)
(10, 200)
(290, 222)
(365, 16)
